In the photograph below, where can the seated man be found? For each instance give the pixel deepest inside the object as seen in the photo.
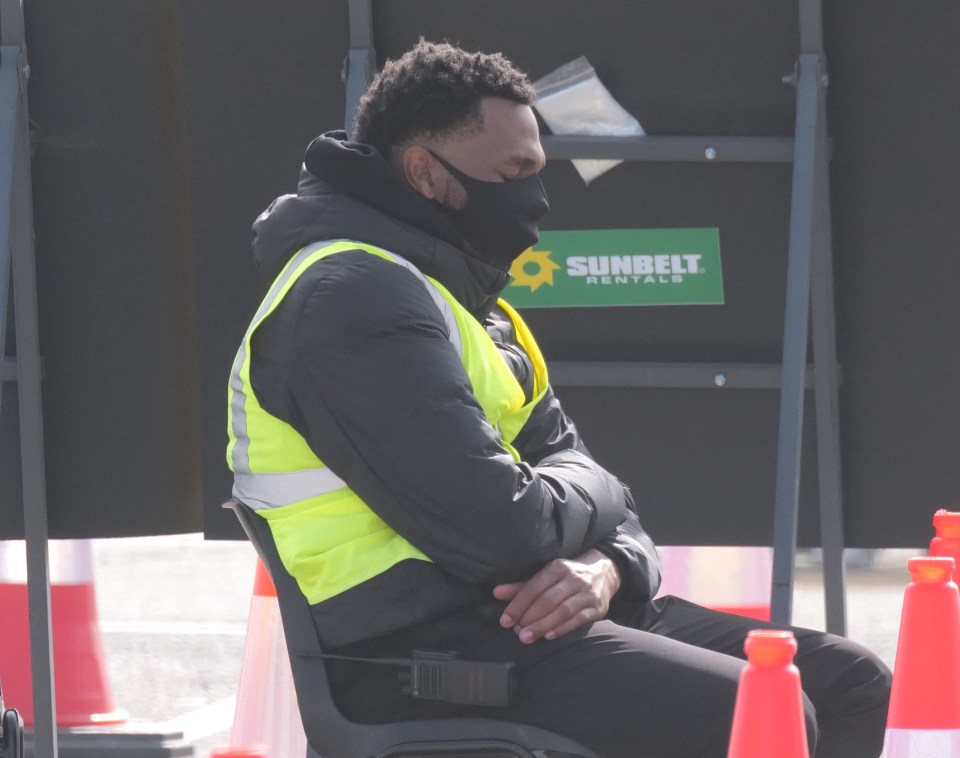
(393, 421)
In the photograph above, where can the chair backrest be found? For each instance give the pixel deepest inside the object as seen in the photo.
(329, 733)
(11, 732)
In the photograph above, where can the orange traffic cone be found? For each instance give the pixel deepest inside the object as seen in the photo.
(84, 697)
(947, 541)
(266, 716)
(924, 716)
(768, 717)
(730, 579)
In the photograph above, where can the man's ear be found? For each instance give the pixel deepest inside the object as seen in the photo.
(421, 171)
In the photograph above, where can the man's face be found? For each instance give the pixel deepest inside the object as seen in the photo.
(506, 146)
(486, 182)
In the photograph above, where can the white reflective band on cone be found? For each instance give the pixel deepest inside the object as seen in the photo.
(70, 561)
(921, 743)
(728, 576)
(13, 562)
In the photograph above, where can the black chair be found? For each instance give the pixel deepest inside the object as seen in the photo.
(11, 732)
(331, 735)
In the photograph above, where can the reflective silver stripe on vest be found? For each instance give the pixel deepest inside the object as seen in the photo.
(241, 447)
(275, 490)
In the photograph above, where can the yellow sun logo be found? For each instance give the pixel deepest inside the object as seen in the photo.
(533, 268)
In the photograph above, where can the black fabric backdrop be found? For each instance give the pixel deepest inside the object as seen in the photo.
(162, 128)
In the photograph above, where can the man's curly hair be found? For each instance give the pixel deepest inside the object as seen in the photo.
(431, 92)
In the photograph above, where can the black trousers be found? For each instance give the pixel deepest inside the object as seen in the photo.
(655, 682)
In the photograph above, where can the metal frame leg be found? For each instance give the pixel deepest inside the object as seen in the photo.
(827, 383)
(803, 233)
(18, 257)
(361, 62)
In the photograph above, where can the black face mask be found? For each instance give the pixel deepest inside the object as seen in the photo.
(500, 219)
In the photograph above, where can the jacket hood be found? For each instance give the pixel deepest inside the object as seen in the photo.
(347, 190)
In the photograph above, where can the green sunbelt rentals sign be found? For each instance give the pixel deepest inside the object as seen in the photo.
(619, 267)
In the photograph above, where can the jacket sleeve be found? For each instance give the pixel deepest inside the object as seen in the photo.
(548, 431)
(367, 374)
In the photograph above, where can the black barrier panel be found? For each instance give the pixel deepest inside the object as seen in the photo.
(115, 273)
(716, 69)
(162, 128)
(708, 69)
(644, 54)
(695, 459)
(893, 114)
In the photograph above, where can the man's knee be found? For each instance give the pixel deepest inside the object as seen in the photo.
(840, 675)
(850, 687)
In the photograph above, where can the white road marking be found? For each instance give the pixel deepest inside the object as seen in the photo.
(206, 721)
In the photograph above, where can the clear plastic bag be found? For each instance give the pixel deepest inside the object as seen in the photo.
(573, 100)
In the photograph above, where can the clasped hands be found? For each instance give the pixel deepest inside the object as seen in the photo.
(562, 596)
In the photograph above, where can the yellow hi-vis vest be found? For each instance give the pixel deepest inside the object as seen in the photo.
(328, 538)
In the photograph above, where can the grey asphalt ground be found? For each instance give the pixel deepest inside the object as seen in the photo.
(173, 615)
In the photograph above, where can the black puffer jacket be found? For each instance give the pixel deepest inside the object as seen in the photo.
(356, 358)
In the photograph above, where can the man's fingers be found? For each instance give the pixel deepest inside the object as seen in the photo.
(561, 597)
(507, 591)
(584, 616)
(530, 592)
(569, 615)
(552, 600)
